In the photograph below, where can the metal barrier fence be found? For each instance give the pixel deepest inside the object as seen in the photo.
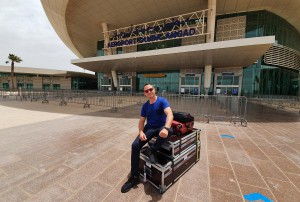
(231, 108)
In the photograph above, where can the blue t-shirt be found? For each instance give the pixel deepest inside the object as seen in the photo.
(154, 113)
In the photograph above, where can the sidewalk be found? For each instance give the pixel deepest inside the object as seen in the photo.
(70, 153)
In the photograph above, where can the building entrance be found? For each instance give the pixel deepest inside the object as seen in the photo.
(106, 84)
(190, 82)
(227, 84)
(125, 83)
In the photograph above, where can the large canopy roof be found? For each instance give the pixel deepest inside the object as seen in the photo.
(78, 23)
(42, 71)
(233, 53)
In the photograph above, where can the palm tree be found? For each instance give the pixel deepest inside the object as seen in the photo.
(13, 58)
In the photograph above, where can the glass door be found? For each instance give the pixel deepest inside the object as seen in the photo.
(227, 85)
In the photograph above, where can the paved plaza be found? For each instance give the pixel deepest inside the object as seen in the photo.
(70, 153)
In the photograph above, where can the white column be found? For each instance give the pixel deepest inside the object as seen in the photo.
(207, 78)
(211, 20)
(115, 78)
(109, 52)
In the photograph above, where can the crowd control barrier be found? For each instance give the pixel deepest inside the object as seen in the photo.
(210, 107)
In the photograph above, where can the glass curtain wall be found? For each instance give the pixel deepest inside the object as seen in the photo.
(168, 82)
(81, 83)
(262, 79)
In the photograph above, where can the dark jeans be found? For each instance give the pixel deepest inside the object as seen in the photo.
(138, 144)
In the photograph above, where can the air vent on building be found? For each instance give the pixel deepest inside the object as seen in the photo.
(283, 56)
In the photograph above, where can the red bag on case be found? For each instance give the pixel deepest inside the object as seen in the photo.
(182, 128)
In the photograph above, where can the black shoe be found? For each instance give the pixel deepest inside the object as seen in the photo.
(131, 182)
(151, 155)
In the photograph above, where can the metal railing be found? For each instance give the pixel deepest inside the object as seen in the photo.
(232, 108)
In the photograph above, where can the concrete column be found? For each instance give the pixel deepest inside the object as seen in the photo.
(115, 78)
(211, 21)
(109, 52)
(207, 78)
(240, 84)
(106, 39)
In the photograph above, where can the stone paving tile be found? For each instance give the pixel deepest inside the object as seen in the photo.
(215, 146)
(194, 185)
(270, 138)
(247, 143)
(218, 159)
(268, 169)
(251, 132)
(248, 189)
(52, 193)
(13, 195)
(82, 177)
(6, 160)
(283, 191)
(231, 144)
(36, 158)
(272, 151)
(295, 146)
(218, 195)
(92, 151)
(110, 156)
(115, 173)
(238, 133)
(238, 156)
(14, 179)
(214, 137)
(152, 194)
(41, 182)
(94, 191)
(248, 175)
(13, 167)
(255, 153)
(50, 163)
(223, 179)
(135, 194)
(262, 142)
(292, 154)
(295, 179)
(80, 160)
(286, 165)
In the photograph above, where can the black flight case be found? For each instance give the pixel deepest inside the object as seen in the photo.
(172, 162)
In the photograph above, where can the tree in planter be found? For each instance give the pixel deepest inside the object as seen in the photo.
(12, 59)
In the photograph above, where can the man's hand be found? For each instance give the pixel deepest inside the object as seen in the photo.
(163, 133)
(143, 136)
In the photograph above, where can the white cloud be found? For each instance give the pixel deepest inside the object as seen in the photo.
(26, 32)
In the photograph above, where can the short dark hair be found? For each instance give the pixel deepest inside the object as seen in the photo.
(146, 84)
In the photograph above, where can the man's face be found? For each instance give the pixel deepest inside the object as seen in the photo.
(149, 91)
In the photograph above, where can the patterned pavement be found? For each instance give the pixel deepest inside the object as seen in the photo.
(70, 153)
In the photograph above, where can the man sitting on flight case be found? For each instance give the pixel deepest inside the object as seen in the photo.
(159, 118)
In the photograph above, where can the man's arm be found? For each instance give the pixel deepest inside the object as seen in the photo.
(164, 132)
(141, 128)
(170, 117)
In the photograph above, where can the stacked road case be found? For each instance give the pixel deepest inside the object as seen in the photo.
(175, 157)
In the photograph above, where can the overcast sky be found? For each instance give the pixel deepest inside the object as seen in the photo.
(26, 32)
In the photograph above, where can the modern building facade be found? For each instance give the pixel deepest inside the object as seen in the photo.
(48, 79)
(238, 47)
